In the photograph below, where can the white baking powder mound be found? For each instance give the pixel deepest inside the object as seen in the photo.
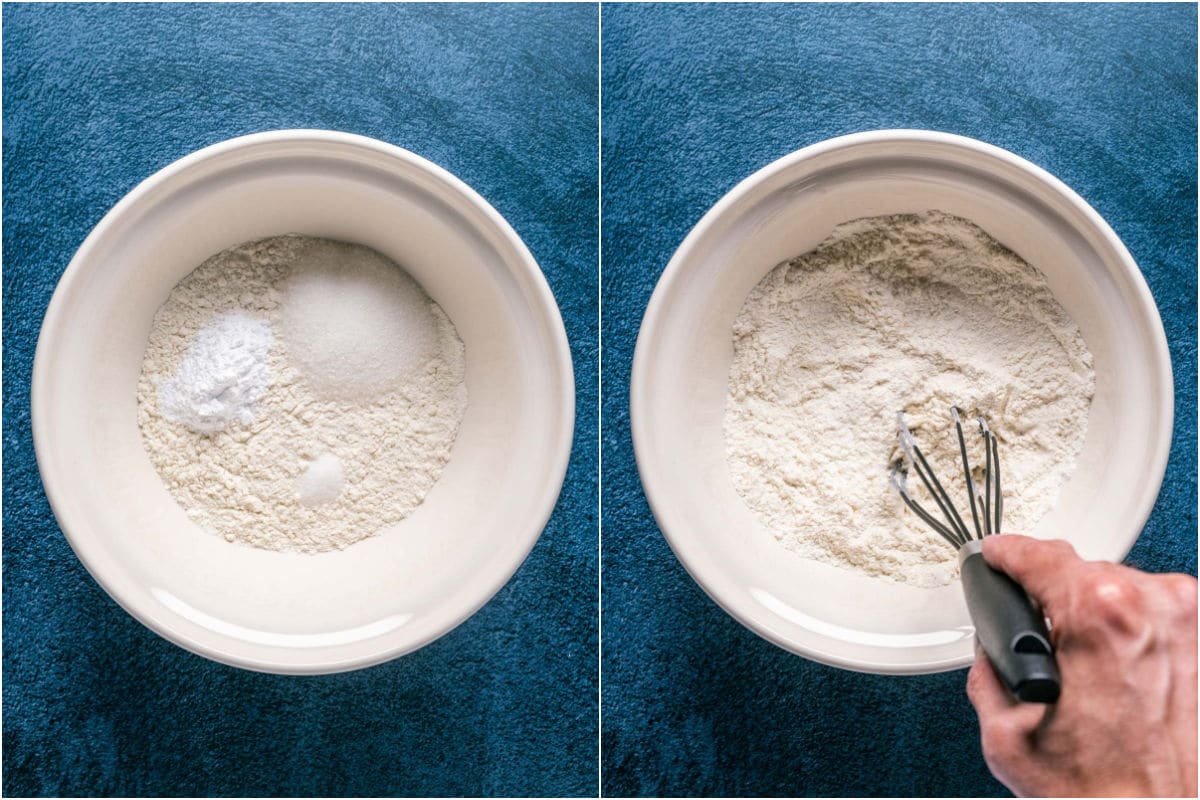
(222, 375)
(912, 313)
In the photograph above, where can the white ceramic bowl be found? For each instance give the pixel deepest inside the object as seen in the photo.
(684, 351)
(386, 595)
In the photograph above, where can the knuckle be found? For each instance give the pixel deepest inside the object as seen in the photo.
(1112, 600)
(1182, 591)
(1061, 548)
(1054, 556)
(998, 741)
(974, 683)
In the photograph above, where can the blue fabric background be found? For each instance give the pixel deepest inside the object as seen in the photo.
(697, 97)
(97, 98)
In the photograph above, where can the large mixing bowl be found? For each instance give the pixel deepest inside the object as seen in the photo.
(684, 351)
(388, 594)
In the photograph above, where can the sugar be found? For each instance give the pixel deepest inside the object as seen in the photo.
(354, 323)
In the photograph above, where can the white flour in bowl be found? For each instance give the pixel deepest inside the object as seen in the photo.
(912, 313)
(300, 394)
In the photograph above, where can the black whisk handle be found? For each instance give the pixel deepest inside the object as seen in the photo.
(1011, 630)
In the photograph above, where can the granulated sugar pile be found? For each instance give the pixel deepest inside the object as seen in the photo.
(910, 313)
(300, 394)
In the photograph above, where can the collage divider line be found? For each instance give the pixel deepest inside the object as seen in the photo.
(599, 399)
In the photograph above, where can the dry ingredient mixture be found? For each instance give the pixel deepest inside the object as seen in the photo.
(300, 393)
(913, 313)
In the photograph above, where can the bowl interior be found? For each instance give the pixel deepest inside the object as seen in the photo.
(685, 351)
(389, 593)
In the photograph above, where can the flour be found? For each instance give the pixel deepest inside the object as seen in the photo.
(298, 467)
(913, 313)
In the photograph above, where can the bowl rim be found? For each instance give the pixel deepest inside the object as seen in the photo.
(642, 378)
(230, 650)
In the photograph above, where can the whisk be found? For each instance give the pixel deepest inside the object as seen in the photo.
(1011, 630)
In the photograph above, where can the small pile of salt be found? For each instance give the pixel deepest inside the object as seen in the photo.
(321, 482)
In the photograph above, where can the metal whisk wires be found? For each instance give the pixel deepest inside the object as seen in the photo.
(987, 506)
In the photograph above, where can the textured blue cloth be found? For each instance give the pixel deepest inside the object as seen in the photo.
(96, 98)
(696, 98)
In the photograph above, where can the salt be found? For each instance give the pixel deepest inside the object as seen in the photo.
(222, 375)
(321, 482)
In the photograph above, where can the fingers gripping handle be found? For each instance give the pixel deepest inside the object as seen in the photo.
(1010, 629)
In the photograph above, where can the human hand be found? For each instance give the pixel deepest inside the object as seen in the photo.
(1125, 724)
